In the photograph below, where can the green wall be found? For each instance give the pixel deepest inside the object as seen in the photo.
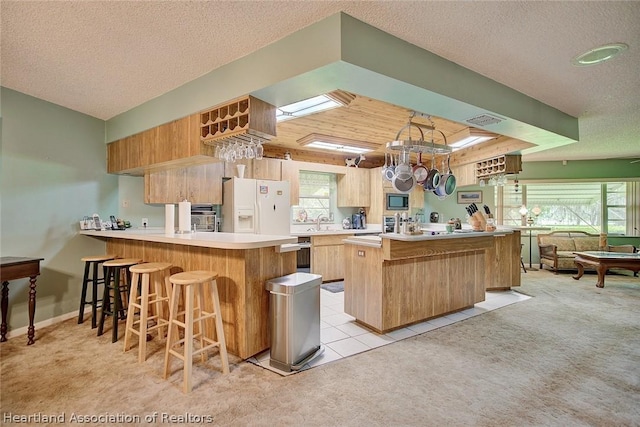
(53, 173)
(605, 170)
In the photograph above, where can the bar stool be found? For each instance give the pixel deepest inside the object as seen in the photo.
(140, 299)
(91, 267)
(118, 280)
(193, 282)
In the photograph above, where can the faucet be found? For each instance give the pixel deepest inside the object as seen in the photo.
(319, 219)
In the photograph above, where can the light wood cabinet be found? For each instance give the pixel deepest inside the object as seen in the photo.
(128, 154)
(465, 174)
(172, 142)
(257, 169)
(231, 169)
(354, 188)
(197, 184)
(401, 282)
(290, 171)
(327, 256)
(503, 263)
(171, 145)
(267, 169)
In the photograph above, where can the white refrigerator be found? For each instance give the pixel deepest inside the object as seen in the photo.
(256, 206)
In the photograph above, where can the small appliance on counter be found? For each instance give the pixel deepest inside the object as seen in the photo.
(356, 221)
(457, 225)
(346, 224)
(388, 222)
(434, 217)
(204, 218)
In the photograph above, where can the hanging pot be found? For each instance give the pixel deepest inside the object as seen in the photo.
(403, 185)
(433, 177)
(447, 184)
(420, 171)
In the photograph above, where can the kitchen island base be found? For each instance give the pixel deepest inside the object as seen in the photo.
(242, 274)
(399, 282)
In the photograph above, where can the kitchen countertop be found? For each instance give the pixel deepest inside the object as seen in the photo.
(372, 229)
(376, 241)
(203, 238)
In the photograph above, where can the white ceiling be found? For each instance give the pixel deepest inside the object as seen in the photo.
(105, 57)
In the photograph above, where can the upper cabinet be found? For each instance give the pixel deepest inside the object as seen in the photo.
(128, 154)
(191, 140)
(196, 184)
(257, 169)
(170, 145)
(290, 171)
(465, 174)
(354, 188)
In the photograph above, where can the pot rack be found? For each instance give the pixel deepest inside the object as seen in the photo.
(420, 145)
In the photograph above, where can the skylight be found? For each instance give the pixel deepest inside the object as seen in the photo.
(305, 107)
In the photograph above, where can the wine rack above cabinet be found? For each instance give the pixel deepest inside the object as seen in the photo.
(501, 165)
(242, 118)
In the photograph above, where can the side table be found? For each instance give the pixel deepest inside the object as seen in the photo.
(12, 268)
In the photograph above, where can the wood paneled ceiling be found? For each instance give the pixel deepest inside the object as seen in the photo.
(377, 122)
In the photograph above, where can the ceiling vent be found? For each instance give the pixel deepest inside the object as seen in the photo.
(484, 120)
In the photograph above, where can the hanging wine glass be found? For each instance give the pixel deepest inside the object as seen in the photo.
(242, 151)
(216, 153)
(259, 150)
(251, 154)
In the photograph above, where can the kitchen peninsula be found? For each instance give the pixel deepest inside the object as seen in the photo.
(244, 262)
(396, 280)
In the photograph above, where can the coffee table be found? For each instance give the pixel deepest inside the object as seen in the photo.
(602, 261)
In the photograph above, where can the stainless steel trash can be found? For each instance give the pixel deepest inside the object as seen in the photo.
(294, 317)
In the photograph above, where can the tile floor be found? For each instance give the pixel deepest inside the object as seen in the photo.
(342, 337)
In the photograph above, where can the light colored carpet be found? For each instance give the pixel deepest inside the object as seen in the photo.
(568, 356)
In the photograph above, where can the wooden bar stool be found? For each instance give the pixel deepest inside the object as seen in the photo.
(91, 267)
(194, 314)
(117, 280)
(141, 298)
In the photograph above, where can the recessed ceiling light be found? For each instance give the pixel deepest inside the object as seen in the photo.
(335, 143)
(599, 54)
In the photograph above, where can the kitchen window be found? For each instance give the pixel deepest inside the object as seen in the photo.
(315, 197)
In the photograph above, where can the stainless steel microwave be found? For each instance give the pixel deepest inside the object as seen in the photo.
(397, 202)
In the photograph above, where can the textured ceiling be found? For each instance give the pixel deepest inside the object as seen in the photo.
(103, 58)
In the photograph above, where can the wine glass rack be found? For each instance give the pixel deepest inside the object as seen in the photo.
(501, 165)
(241, 119)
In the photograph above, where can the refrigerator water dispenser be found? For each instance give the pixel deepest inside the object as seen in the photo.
(244, 221)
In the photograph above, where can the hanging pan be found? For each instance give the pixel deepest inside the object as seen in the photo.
(433, 177)
(390, 170)
(385, 166)
(447, 184)
(403, 185)
(420, 171)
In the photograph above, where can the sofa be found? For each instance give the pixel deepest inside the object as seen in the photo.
(557, 248)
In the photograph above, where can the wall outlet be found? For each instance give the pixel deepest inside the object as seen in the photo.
(125, 203)
(145, 222)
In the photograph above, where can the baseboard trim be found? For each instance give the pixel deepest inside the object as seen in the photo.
(44, 323)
